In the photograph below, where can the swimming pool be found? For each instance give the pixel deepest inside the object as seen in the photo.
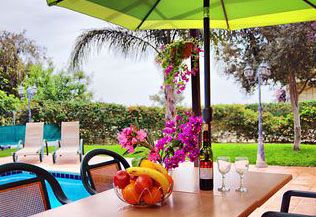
(70, 183)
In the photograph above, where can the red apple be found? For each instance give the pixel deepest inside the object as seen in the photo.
(121, 179)
(143, 182)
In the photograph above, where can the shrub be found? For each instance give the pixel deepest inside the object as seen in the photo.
(100, 122)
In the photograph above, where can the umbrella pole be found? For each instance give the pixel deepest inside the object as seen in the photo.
(195, 84)
(207, 117)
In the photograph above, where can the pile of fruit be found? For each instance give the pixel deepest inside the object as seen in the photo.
(147, 184)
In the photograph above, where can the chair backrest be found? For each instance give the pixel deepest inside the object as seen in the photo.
(99, 177)
(70, 134)
(34, 134)
(283, 214)
(29, 196)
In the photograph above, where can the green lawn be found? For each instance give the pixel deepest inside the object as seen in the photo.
(276, 154)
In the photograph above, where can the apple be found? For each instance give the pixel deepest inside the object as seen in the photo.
(143, 182)
(121, 179)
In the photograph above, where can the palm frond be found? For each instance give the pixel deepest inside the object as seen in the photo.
(119, 40)
(135, 44)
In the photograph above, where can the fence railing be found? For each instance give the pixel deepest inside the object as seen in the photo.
(10, 135)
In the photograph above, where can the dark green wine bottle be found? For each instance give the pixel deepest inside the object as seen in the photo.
(206, 164)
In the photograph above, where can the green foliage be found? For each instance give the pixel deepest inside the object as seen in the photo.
(17, 53)
(100, 122)
(60, 86)
(288, 49)
(8, 104)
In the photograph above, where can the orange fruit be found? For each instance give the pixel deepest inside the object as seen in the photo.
(153, 196)
(130, 195)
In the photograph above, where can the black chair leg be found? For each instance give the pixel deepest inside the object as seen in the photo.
(14, 157)
(54, 158)
(40, 157)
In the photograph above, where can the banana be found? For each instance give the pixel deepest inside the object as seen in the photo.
(161, 169)
(152, 165)
(155, 175)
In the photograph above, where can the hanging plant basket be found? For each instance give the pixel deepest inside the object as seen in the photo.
(171, 58)
(187, 50)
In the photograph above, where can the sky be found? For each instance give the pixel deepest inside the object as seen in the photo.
(114, 79)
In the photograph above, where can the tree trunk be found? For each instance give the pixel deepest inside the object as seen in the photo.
(170, 102)
(295, 110)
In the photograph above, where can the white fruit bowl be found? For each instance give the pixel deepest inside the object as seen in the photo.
(140, 200)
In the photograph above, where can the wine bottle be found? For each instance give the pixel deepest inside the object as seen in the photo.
(206, 164)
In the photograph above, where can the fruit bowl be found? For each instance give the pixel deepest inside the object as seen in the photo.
(147, 198)
(146, 185)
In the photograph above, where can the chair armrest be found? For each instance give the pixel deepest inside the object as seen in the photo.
(282, 214)
(20, 144)
(81, 150)
(57, 145)
(42, 147)
(287, 198)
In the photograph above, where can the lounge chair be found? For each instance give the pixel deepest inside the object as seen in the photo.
(70, 143)
(286, 199)
(28, 196)
(99, 177)
(34, 143)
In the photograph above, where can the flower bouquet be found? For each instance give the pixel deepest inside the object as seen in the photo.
(148, 182)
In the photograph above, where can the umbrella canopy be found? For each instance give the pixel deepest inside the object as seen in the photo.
(195, 14)
(188, 14)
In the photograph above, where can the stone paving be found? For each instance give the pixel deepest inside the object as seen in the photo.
(304, 178)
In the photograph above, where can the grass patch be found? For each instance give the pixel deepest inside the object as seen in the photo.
(276, 154)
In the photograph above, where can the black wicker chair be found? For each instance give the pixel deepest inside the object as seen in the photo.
(29, 196)
(99, 177)
(286, 204)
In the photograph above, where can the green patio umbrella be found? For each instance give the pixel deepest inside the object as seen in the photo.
(195, 14)
(188, 14)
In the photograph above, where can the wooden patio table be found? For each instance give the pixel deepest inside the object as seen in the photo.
(186, 199)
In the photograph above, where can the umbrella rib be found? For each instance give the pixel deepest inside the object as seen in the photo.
(225, 14)
(149, 12)
(55, 2)
(309, 3)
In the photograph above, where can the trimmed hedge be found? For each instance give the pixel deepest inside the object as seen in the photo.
(100, 122)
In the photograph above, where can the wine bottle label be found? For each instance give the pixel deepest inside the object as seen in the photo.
(206, 170)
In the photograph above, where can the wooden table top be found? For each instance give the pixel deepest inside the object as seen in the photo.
(186, 200)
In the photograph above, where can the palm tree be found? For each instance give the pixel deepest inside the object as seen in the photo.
(136, 44)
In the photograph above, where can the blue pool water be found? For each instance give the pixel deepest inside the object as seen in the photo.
(73, 188)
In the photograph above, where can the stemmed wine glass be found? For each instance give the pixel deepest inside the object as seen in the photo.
(241, 166)
(223, 164)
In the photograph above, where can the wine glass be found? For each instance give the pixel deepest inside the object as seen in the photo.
(223, 164)
(241, 166)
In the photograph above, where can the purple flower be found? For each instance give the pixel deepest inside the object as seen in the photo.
(180, 140)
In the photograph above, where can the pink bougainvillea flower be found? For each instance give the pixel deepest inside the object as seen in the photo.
(141, 135)
(154, 155)
(168, 70)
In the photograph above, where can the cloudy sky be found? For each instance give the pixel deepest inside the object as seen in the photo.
(114, 78)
